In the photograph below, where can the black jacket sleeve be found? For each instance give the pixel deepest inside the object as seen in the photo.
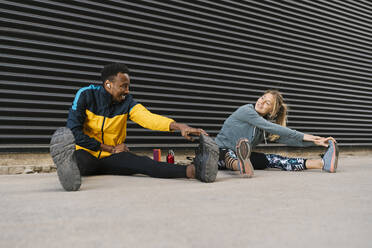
(75, 122)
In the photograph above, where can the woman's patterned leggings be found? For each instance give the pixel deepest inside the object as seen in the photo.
(285, 163)
(261, 161)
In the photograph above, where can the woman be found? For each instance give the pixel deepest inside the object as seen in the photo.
(252, 124)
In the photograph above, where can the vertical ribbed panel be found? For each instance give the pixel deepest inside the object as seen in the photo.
(194, 61)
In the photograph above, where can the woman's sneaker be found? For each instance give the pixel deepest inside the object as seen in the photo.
(62, 148)
(206, 159)
(330, 157)
(243, 152)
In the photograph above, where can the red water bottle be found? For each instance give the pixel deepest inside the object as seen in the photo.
(170, 157)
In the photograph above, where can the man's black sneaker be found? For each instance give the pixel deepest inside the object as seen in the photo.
(206, 159)
(62, 147)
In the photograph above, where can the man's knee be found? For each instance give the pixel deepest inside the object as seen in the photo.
(86, 162)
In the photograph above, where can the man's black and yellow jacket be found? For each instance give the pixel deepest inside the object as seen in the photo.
(94, 119)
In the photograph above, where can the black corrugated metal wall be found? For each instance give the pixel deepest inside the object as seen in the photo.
(194, 61)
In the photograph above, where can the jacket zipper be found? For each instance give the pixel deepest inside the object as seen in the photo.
(103, 142)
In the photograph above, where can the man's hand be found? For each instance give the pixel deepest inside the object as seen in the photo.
(121, 148)
(114, 149)
(186, 130)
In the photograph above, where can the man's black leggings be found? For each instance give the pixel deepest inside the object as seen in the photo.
(126, 163)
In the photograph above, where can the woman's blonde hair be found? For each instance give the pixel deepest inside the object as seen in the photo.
(279, 113)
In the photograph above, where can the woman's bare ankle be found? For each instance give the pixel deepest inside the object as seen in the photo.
(235, 166)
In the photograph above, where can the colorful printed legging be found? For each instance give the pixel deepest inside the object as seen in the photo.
(285, 163)
(262, 161)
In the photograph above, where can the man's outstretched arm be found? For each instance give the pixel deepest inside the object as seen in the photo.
(186, 130)
(146, 119)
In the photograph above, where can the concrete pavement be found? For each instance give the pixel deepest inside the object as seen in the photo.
(273, 209)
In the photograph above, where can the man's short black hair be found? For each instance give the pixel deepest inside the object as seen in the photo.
(111, 70)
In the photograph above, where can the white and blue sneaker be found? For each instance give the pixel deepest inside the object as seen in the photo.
(330, 157)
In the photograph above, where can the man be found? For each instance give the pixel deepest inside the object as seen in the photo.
(93, 141)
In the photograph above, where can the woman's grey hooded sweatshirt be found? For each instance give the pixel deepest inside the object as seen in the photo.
(245, 122)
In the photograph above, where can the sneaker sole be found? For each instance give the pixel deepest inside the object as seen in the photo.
(209, 173)
(243, 151)
(62, 147)
(334, 160)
